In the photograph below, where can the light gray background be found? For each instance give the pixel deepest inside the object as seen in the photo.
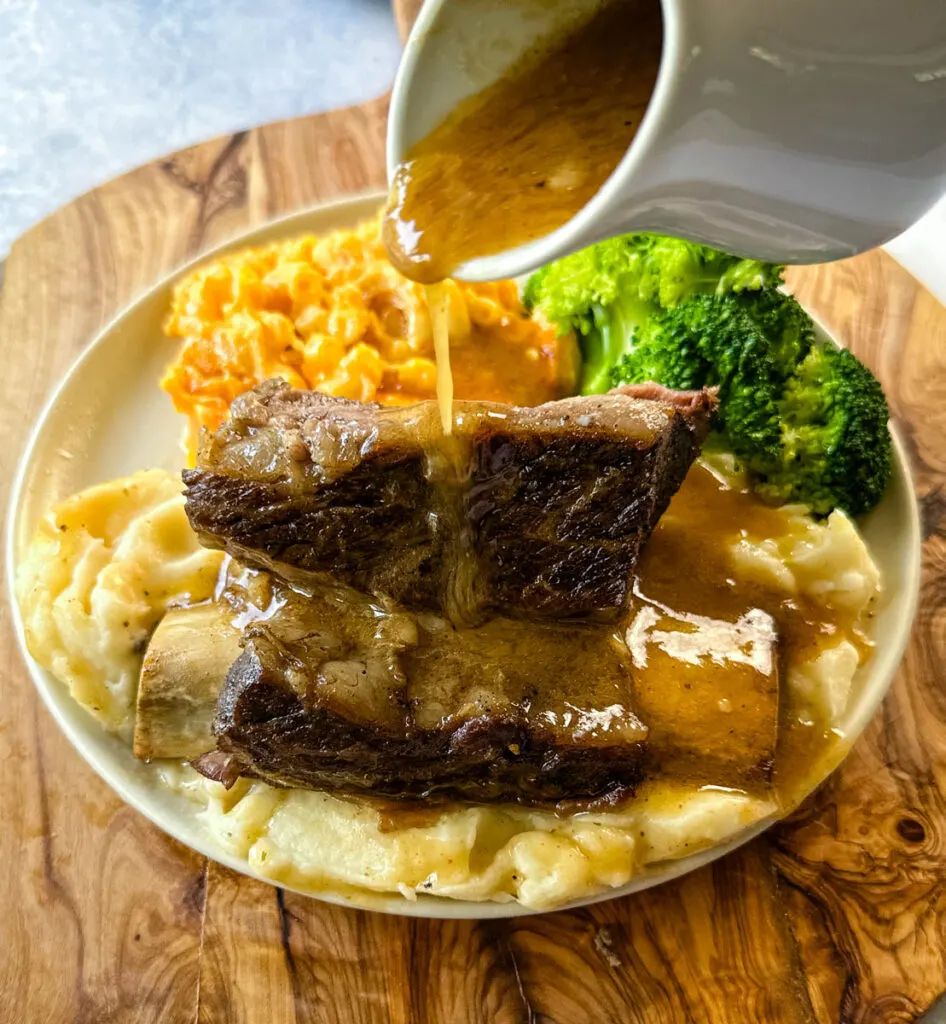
(90, 88)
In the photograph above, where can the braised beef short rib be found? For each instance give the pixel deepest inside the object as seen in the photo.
(450, 624)
(335, 694)
(530, 512)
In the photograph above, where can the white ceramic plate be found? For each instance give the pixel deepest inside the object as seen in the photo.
(108, 418)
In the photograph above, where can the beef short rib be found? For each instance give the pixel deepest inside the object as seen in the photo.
(334, 693)
(535, 512)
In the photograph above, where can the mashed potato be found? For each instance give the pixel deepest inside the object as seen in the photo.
(827, 562)
(101, 571)
(106, 563)
(320, 842)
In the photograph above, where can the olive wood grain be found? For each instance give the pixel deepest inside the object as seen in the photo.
(405, 14)
(835, 916)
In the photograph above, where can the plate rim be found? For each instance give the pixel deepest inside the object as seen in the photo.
(424, 906)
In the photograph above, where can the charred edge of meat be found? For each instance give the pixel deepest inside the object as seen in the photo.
(219, 766)
(569, 550)
(279, 736)
(556, 502)
(376, 542)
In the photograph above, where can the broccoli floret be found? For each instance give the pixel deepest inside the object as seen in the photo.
(809, 422)
(710, 342)
(787, 327)
(567, 291)
(598, 294)
(611, 334)
(835, 445)
(666, 351)
(748, 276)
(811, 430)
(674, 269)
(607, 292)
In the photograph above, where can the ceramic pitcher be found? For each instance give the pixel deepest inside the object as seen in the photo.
(797, 131)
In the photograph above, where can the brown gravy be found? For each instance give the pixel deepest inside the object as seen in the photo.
(686, 569)
(522, 157)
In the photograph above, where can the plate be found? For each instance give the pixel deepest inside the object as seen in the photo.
(108, 418)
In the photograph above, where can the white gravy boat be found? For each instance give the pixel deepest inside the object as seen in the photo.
(797, 131)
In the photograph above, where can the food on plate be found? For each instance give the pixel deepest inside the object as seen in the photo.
(835, 449)
(320, 842)
(708, 690)
(808, 420)
(326, 841)
(180, 677)
(332, 314)
(528, 511)
(608, 292)
(332, 692)
(526, 659)
(103, 568)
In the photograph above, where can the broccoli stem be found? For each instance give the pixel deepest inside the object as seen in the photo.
(610, 338)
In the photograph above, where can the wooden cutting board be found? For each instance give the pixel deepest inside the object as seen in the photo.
(838, 915)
